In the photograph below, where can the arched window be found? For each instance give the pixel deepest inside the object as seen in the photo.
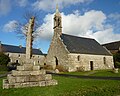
(38, 62)
(19, 55)
(104, 60)
(17, 61)
(56, 61)
(78, 58)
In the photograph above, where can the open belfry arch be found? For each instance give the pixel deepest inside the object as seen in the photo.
(57, 22)
(28, 74)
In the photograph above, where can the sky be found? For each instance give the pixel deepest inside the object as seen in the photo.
(97, 19)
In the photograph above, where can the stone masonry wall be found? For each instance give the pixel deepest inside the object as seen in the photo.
(70, 60)
(58, 50)
(84, 61)
(37, 59)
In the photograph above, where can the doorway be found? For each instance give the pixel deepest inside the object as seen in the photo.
(56, 61)
(91, 65)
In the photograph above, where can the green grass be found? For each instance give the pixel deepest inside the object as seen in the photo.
(3, 72)
(106, 73)
(71, 86)
(68, 87)
(96, 73)
(3, 68)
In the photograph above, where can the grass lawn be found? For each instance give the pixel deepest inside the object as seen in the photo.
(97, 73)
(106, 73)
(3, 72)
(68, 87)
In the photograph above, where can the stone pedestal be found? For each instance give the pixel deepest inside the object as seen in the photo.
(28, 75)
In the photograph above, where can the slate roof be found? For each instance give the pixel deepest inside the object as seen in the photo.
(82, 45)
(112, 45)
(17, 49)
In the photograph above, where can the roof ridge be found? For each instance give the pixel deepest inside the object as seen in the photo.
(18, 46)
(12, 45)
(77, 36)
(111, 42)
(17, 49)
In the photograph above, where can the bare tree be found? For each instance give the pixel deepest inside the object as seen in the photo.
(22, 27)
(28, 30)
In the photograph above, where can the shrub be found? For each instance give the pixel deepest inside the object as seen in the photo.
(61, 68)
(3, 68)
(117, 57)
(117, 60)
(80, 69)
(4, 59)
(117, 64)
(12, 66)
(48, 67)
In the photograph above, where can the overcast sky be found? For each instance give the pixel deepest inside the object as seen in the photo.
(98, 19)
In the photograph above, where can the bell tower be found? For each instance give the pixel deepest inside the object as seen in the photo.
(57, 22)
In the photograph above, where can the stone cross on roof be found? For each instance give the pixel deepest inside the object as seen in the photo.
(57, 10)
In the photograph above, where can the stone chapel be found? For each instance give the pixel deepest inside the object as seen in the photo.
(76, 53)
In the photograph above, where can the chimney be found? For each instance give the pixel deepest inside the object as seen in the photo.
(20, 46)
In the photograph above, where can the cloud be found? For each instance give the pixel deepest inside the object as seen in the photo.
(22, 3)
(106, 36)
(45, 31)
(48, 5)
(10, 26)
(91, 24)
(5, 7)
(115, 17)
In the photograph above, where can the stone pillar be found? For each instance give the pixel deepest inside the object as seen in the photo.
(29, 39)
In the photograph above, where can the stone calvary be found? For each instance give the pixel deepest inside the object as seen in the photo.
(28, 74)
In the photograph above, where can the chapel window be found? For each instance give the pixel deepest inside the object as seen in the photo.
(19, 55)
(78, 58)
(104, 60)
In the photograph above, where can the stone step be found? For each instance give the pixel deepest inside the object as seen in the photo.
(6, 85)
(28, 67)
(24, 73)
(22, 79)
